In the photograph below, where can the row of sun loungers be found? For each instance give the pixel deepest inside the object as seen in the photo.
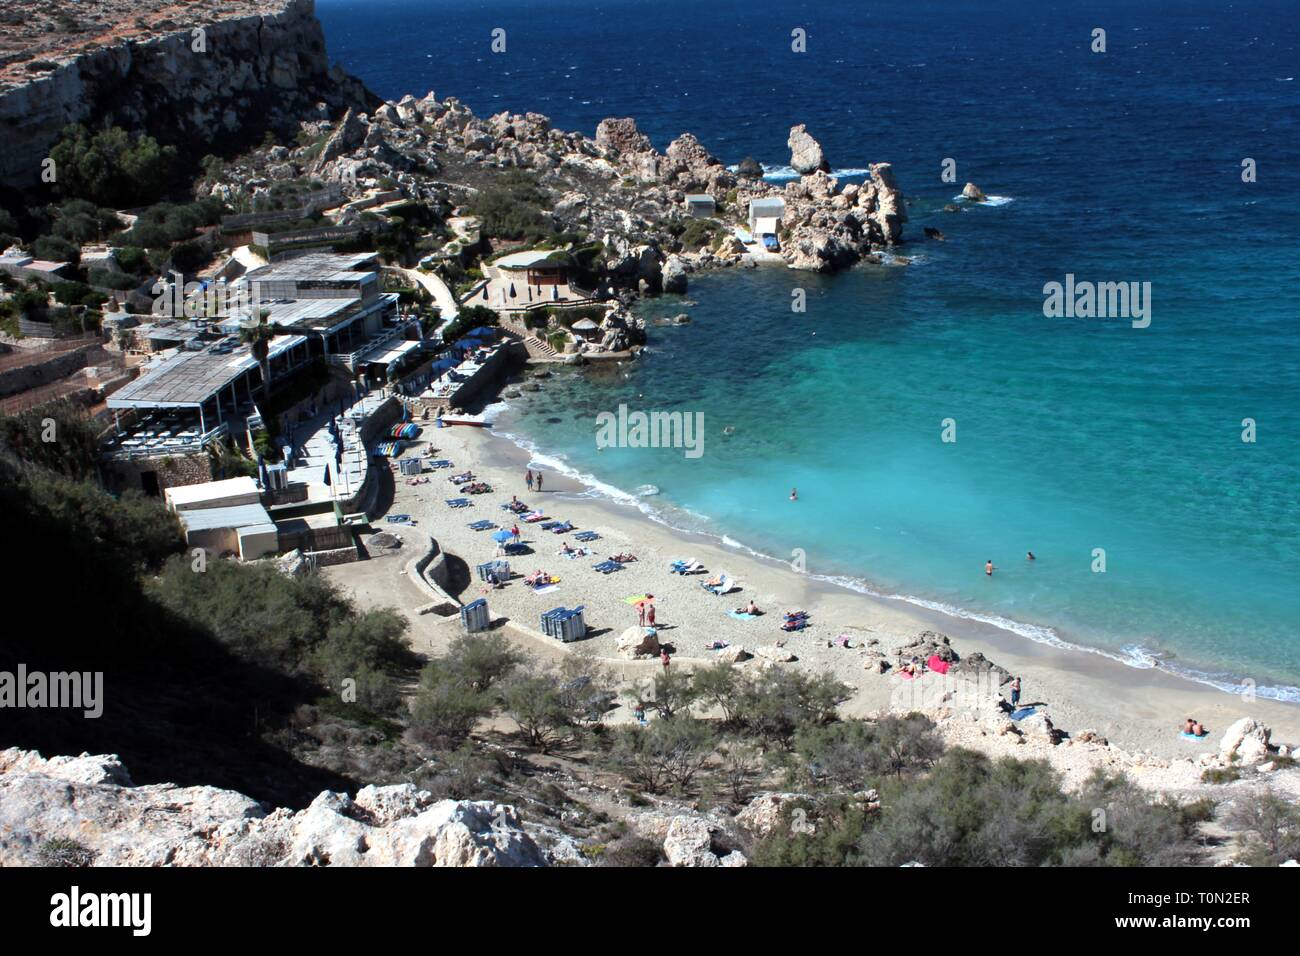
(459, 503)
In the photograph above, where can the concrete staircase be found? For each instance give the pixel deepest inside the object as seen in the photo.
(537, 348)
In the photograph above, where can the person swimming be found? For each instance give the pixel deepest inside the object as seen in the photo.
(989, 568)
(1029, 556)
(794, 494)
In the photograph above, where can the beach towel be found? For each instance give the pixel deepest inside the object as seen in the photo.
(906, 676)
(741, 615)
(1193, 738)
(1024, 712)
(937, 664)
(546, 589)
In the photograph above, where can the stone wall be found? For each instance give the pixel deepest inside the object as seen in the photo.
(37, 372)
(173, 471)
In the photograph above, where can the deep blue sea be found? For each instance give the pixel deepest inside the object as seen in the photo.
(1072, 434)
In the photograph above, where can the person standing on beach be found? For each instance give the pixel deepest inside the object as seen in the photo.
(1015, 692)
(640, 614)
(514, 533)
(988, 567)
(529, 479)
(650, 614)
(665, 659)
(539, 481)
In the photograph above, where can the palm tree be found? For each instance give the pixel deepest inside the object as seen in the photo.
(258, 337)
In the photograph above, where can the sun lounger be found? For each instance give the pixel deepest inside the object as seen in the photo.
(585, 536)
(549, 525)
(482, 525)
(688, 566)
(534, 517)
(724, 585)
(441, 463)
(564, 527)
(608, 567)
(459, 503)
(399, 519)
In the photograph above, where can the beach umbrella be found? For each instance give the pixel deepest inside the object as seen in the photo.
(327, 474)
(512, 290)
(555, 292)
(502, 535)
(262, 476)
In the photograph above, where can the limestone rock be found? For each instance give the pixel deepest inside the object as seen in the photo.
(621, 135)
(90, 800)
(689, 842)
(806, 154)
(1245, 742)
(674, 275)
(638, 642)
(763, 814)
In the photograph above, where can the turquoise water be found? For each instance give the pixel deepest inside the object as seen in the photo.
(1070, 437)
(1072, 434)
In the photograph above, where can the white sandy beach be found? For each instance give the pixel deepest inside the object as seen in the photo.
(1138, 711)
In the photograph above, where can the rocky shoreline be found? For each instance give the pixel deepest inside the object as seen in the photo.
(616, 187)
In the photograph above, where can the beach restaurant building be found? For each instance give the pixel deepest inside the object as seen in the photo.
(537, 266)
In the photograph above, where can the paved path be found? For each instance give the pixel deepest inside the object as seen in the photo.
(442, 295)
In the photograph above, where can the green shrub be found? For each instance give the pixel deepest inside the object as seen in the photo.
(62, 852)
(512, 207)
(110, 167)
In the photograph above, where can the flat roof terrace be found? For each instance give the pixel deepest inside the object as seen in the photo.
(192, 378)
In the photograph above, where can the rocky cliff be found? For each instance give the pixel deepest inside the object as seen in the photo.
(88, 805)
(250, 73)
